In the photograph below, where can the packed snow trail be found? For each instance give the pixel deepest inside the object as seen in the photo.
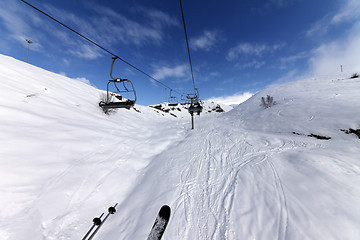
(224, 182)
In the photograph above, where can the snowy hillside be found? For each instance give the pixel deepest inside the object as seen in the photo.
(251, 173)
(321, 106)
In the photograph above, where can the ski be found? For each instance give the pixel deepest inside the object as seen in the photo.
(160, 224)
(97, 223)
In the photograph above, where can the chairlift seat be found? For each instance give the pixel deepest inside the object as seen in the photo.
(126, 104)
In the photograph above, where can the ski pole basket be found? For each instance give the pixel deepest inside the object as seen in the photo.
(97, 223)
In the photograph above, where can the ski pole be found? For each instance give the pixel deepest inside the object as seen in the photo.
(96, 222)
(111, 210)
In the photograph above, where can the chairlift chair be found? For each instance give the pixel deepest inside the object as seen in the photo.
(193, 97)
(184, 100)
(195, 106)
(173, 101)
(120, 102)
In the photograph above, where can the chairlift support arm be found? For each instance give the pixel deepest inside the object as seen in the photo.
(119, 80)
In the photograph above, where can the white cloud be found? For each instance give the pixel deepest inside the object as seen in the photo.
(233, 99)
(108, 28)
(252, 64)
(164, 71)
(87, 52)
(115, 27)
(63, 74)
(214, 74)
(83, 80)
(349, 11)
(9, 11)
(23, 23)
(344, 48)
(338, 49)
(290, 60)
(19, 28)
(248, 49)
(206, 41)
(327, 58)
(80, 79)
(104, 26)
(160, 19)
(319, 28)
(280, 3)
(294, 58)
(34, 45)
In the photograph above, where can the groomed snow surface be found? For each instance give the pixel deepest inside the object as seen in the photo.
(250, 173)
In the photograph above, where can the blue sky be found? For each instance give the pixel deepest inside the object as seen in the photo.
(237, 47)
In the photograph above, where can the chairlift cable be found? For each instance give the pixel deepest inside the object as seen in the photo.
(96, 44)
(187, 44)
(195, 105)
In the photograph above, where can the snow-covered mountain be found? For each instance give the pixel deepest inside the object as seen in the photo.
(250, 173)
(181, 110)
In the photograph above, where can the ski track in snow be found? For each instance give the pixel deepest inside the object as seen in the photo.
(227, 172)
(210, 181)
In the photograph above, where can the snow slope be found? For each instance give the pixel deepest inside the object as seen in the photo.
(58, 151)
(251, 173)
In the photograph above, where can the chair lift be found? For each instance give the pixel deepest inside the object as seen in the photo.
(119, 101)
(195, 105)
(173, 101)
(183, 100)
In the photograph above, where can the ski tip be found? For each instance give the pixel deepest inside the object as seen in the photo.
(165, 212)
